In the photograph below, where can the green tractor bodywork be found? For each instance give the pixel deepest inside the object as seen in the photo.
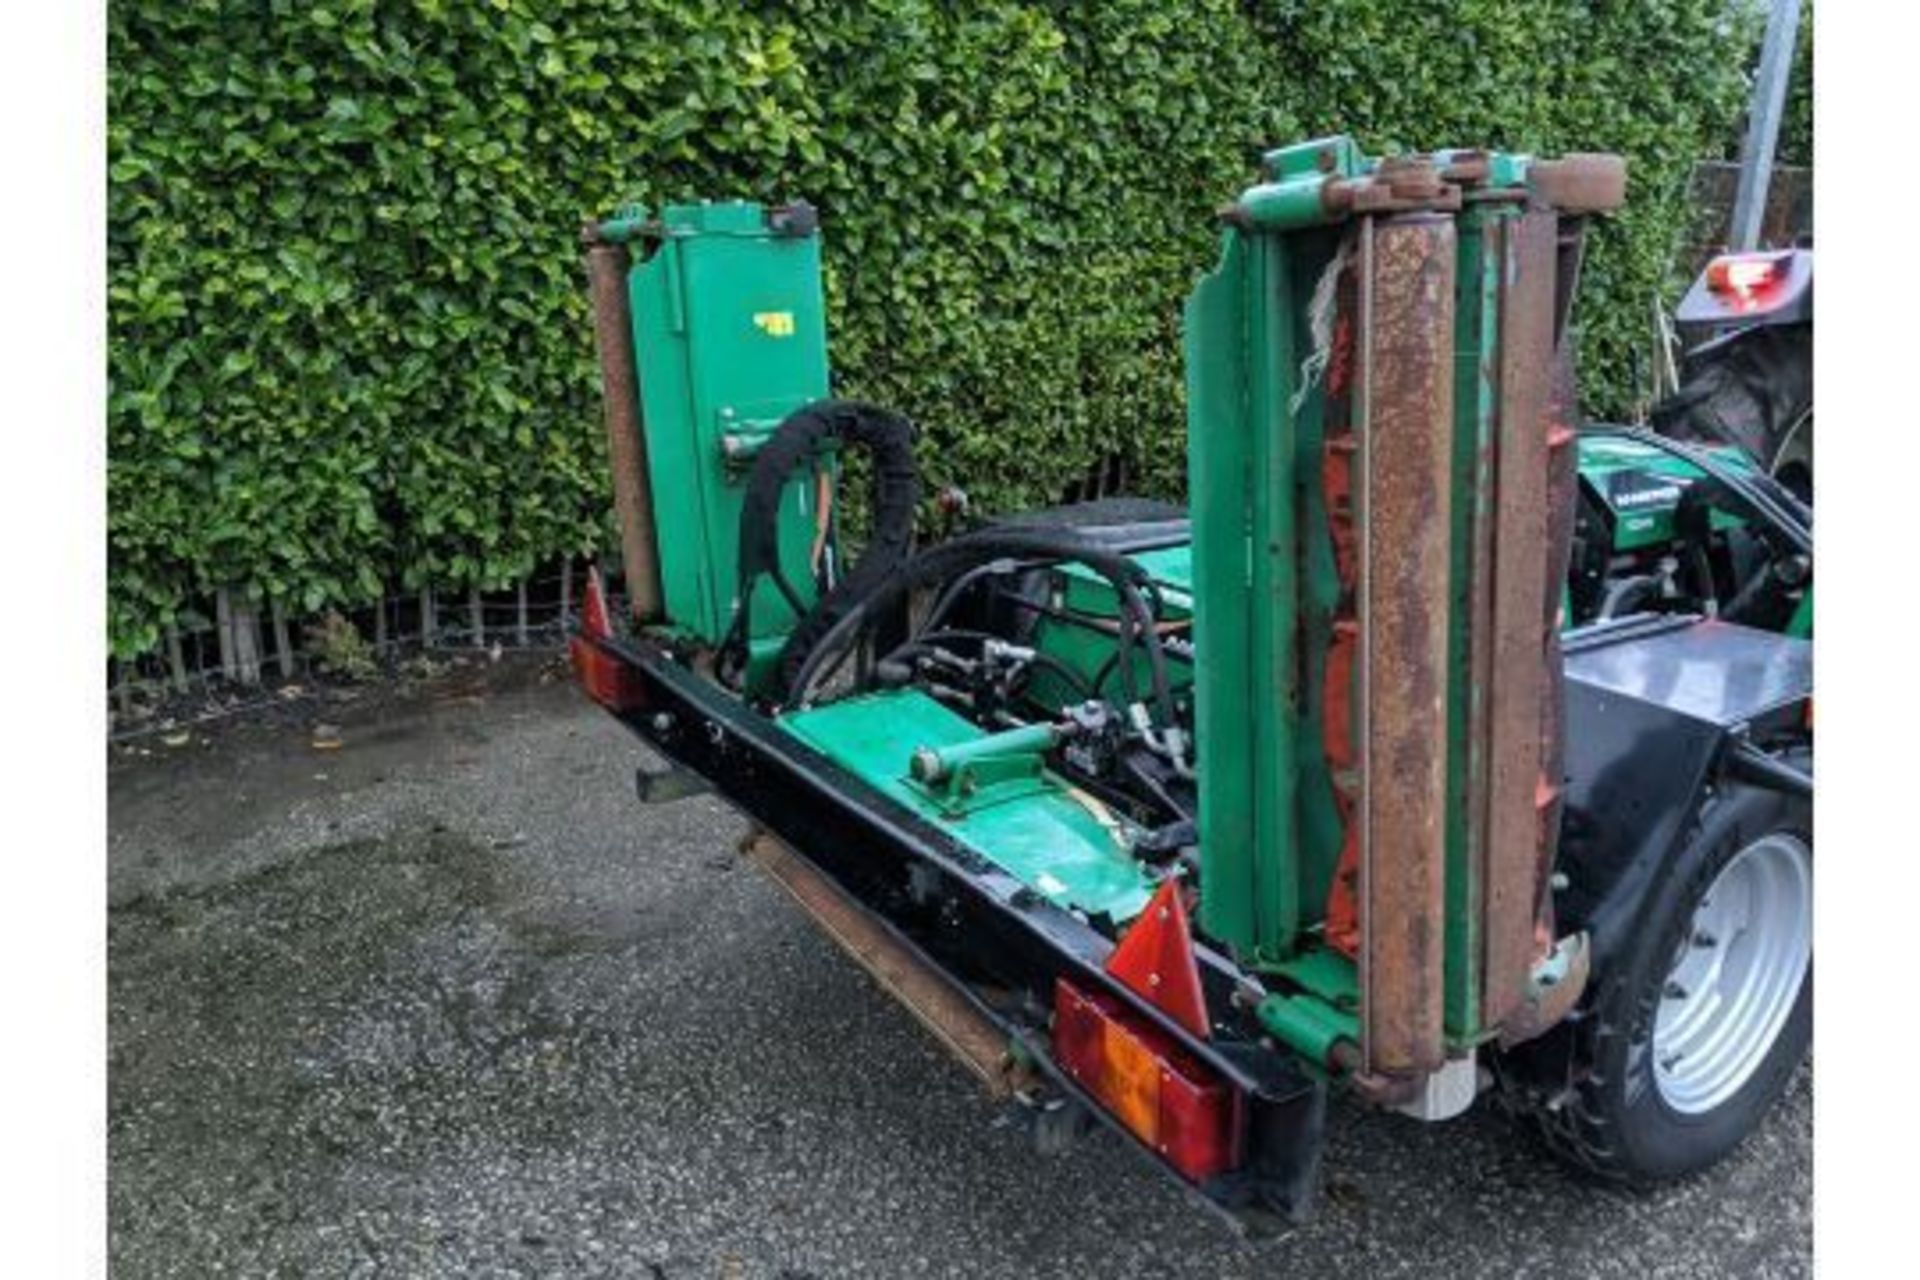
(1635, 489)
(1641, 487)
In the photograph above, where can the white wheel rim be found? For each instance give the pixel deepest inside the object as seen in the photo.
(1736, 976)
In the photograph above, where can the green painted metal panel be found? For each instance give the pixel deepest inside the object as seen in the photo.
(1057, 841)
(730, 337)
(1273, 606)
(1265, 588)
(1170, 568)
(1219, 462)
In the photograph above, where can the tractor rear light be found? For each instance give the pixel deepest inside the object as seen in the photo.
(1745, 278)
(1161, 1093)
(607, 679)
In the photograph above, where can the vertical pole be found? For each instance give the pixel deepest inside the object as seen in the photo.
(427, 627)
(476, 615)
(245, 613)
(176, 662)
(380, 625)
(282, 646)
(520, 613)
(1521, 617)
(607, 267)
(1763, 125)
(1405, 350)
(223, 623)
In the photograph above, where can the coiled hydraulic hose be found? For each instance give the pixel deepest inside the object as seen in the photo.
(896, 491)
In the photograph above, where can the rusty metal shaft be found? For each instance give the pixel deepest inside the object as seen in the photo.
(1406, 443)
(607, 265)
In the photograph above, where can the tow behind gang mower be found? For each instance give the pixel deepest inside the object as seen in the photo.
(1182, 818)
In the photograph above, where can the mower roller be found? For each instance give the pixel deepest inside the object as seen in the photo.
(1437, 746)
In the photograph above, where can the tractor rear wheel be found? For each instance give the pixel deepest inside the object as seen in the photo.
(1680, 1051)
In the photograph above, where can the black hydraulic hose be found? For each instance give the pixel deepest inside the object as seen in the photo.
(1135, 606)
(1115, 627)
(1762, 491)
(950, 595)
(936, 564)
(801, 660)
(896, 491)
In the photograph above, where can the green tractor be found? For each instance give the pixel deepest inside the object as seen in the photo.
(1710, 509)
(1434, 748)
(1667, 526)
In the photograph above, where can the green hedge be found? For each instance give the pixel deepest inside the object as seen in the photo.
(348, 339)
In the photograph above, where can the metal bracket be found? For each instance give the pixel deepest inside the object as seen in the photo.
(668, 783)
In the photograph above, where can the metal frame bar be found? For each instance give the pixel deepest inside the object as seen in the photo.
(912, 880)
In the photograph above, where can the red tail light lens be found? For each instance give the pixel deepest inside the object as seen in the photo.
(1744, 278)
(1162, 1094)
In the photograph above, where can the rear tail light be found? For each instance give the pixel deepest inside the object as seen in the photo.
(1163, 1095)
(1745, 278)
(607, 679)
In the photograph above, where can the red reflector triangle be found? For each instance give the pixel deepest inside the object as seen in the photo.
(1156, 960)
(593, 611)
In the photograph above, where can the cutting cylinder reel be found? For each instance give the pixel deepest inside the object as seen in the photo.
(1383, 494)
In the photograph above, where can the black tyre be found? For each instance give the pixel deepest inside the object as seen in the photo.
(1679, 1051)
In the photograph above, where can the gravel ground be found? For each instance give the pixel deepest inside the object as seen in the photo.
(447, 1000)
